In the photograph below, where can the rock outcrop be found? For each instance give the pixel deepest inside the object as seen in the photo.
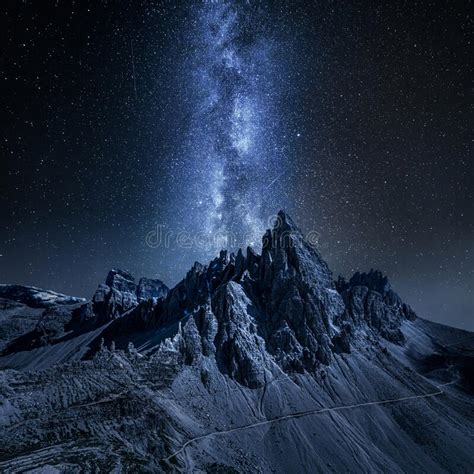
(120, 294)
(151, 289)
(370, 301)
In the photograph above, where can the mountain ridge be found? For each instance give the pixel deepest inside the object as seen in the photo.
(251, 352)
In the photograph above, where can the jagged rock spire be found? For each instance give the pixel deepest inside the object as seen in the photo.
(282, 308)
(285, 248)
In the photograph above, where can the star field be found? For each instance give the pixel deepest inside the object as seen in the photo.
(210, 116)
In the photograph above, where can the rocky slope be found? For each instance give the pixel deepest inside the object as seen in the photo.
(24, 308)
(252, 363)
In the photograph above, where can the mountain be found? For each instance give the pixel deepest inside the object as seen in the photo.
(23, 308)
(252, 363)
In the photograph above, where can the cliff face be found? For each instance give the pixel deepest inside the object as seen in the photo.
(252, 362)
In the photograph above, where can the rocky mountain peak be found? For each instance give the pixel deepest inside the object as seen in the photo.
(151, 288)
(120, 293)
(254, 314)
(281, 307)
(121, 280)
(370, 300)
(285, 249)
(374, 280)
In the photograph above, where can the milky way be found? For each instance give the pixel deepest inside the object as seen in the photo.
(232, 140)
(209, 116)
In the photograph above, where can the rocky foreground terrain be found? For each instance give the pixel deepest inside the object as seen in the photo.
(252, 363)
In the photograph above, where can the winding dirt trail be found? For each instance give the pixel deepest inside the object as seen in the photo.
(277, 419)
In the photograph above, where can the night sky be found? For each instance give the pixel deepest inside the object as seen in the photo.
(208, 117)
